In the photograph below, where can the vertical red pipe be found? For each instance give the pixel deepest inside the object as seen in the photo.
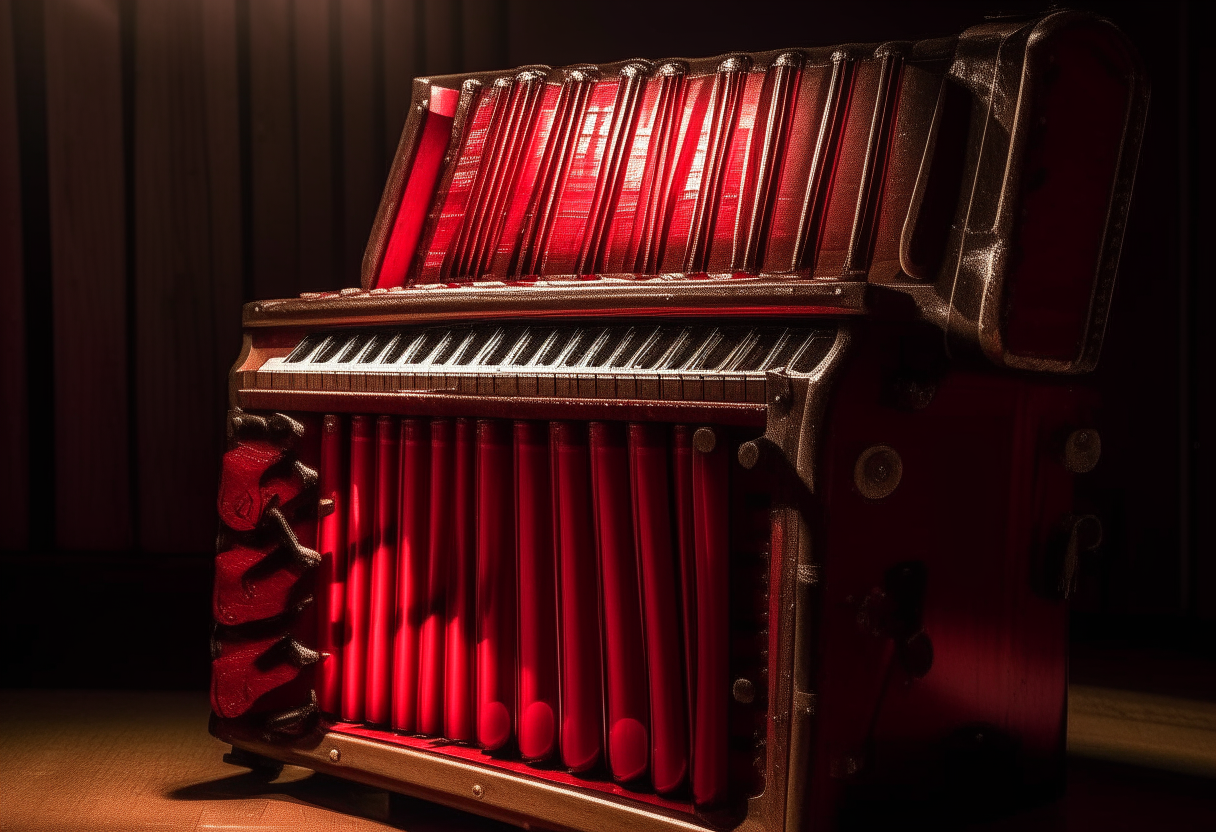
(384, 575)
(652, 522)
(582, 686)
(625, 657)
(495, 585)
(359, 554)
(462, 573)
(537, 594)
(412, 542)
(710, 508)
(681, 457)
(331, 589)
(431, 651)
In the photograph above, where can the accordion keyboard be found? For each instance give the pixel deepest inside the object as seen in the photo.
(627, 361)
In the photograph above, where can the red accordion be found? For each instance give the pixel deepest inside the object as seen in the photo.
(700, 449)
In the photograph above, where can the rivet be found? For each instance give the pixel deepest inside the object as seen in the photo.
(744, 691)
(334, 755)
(1082, 450)
(749, 454)
(877, 472)
(478, 791)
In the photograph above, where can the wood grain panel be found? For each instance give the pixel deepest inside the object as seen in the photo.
(14, 415)
(362, 137)
(187, 209)
(402, 36)
(316, 210)
(273, 149)
(89, 272)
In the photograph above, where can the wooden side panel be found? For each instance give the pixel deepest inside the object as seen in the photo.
(85, 173)
(316, 207)
(362, 140)
(14, 415)
(273, 150)
(187, 210)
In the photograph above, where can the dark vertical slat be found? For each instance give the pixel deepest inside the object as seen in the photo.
(869, 196)
(314, 146)
(362, 145)
(272, 149)
(442, 36)
(187, 251)
(14, 421)
(401, 36)
(89, 273)
(823, 162)
(483, 25)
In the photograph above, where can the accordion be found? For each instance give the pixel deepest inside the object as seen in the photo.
(703, 447)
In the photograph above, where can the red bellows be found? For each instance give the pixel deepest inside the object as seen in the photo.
(548, 591)
(740, 170)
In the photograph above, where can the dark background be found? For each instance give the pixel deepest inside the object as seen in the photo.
(162, 162)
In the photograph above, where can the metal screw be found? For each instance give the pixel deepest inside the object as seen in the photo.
(749, 454)
(478, 791)
(1082, 450)
(878, 471)
(334, 755)
(744, 691)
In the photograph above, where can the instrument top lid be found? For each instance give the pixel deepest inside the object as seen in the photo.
(986, 177)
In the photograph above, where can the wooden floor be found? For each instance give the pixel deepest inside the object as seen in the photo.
(122, 760)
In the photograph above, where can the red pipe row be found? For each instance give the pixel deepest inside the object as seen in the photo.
(558, 590)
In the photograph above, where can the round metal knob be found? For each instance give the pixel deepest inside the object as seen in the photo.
(878, 471)
(1082, 450)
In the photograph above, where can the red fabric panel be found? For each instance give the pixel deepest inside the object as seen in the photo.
(726, 232)
(384, 575)
(644, 252)
(419, 188)
(796, 169)
(836, 233)
(412, 541)
(245, 592)
(331, 544)
(578, 189)
(462, 573)
(630, 207)
(522, 199)
(628, 705)
(495, 585)
(582, 699)
(431, 649)
(660, 611)
(692, 145)
(711, 508)
(686, 540)
(358, 577)
(538, 714)
(238, 680)
(452, 214)
(241, 495)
